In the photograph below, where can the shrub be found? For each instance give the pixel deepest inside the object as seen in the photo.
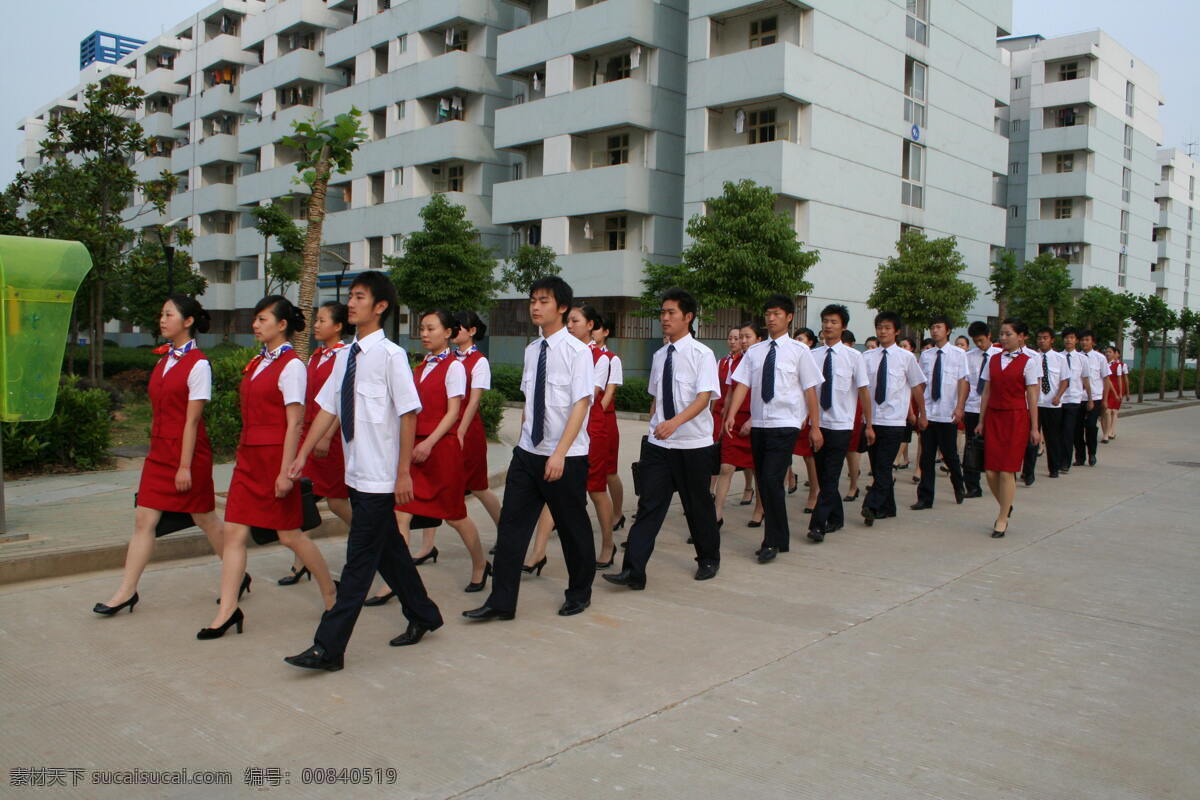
(76, 435)
(506, 379)
(633, 396)
(491, 410)
(1152, 376)
(132, 381)
(116, 359)
(223, 413)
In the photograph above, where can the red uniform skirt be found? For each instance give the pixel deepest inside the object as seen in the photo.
(252, 499)
(614, 442)
(1113, 400)
(1005, 437)
(328, 474)
(438, 482)
(735, 449)
(475, 456)
(156, 489)
(803, 446)
(598, 453)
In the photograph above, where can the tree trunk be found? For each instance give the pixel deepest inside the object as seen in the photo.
(92, 338)
(1162, 368)
(266, 260)
(311, 258)
(1002, 308)
(1182, 360)
(72, 338)
(1142, 371)
(1050, 317)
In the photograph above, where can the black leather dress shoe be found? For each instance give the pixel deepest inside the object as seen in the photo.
(919, 506)
(625, 578)
(315, 657)
(868, 516)
(1092, 461)
(1029, 480)
(1077, 462)
(706, 571)
(485, 613)
(1053, 474)
(816, 536)
(410, 636)
(972, 493)
(767, 554)
(573, 607)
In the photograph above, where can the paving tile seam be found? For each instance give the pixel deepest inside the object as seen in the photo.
(1101, 618)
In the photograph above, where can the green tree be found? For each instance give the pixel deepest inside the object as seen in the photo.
(1169, 321)
(444, 265)
(283, 268)
(325, 147)
(921, 280)
(529, 264)
(1002, 280)
(1189, 323)
(1104, 312)
(742, 251)
(11, 223)
(1041, 292)
(1150, 315)
(139, 283)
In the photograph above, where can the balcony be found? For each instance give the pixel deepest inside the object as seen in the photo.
(604, 273)
(457, 70)
(448, 141)
(268, 184)
(1053, 140)
(300, 64)
(626, 102)
(161, 81)
(159, 124)
(271, 128)
(588, 28)
(1061, 93)
(413, 15)
(213, 247)
(626, 187)
(781, 69)
(400, 216)
(210, 100)
(226, 47)
(1080, 183)
(152, 167)
(284, 16)
(1060, 230)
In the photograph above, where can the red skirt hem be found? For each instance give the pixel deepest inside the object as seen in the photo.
(156, 488)
(735, 450)
(438, 482)
(252, 499)
(597, 479)
(1005, 437)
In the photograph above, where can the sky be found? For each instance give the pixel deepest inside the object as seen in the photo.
(39, 48)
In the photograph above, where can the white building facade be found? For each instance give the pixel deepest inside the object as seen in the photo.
(1175, 193)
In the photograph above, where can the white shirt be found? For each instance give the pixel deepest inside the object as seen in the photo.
(293, 379)
(954, 369)
(1056, 370)
(456, 377)
(794, 373)
(570, 378)
(1034, 354)
(616, 374)
(481, 373)
(1099, 365)
(976, 360)
(849, 375)
(383, 392)
(693, 371)
(903, 374)
(199, 380)
(1073, 362)
(1033, 372)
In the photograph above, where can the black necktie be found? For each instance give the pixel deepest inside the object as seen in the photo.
(768, 376)
(1068, 368)
(881, 380)
(936, 394)
(348, 393)
(1045, 375)
(979, 381)
(539, 398)
(827, 386)
(668, 381)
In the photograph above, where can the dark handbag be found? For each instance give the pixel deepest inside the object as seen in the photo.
(170, 521)
(714, 458)
(420, 522)
(636, 468)
(862, 439)
(973, 454)
(312, 517)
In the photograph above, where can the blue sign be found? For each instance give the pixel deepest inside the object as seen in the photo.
(916, 133)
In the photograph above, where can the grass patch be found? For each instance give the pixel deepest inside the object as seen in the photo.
(131, 424)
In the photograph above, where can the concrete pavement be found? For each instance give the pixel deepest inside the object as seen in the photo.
(916, 659)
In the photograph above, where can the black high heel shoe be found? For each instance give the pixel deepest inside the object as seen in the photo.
(1000, 534)
(108, 611)
(245, 587)
(379, 599)
(478, 587)
(850, 498)
(531, 568)
(611, 559)
(754, 523)
(295, 577)
(236, 618)
(432, 554)
(620, 523)
(744, 501)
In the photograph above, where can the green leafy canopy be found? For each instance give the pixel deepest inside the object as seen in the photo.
(921, 280)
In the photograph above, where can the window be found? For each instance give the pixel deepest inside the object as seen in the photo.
(1064, 162)
(618, 149)
(517, 171)
(1125, 227)
(535, 234)
(456, 39)
(1066, 117)
(1128, 99)
(402, 42)
(916, 23)
(617, 68)
(1014, 167)
(384, 5)
(450, 108)
(398, 176)
(1016, 83)
(1063, 207)
(400, 110)
(1016, 126)
(454, 178)
(764, 32)
(1126, 180)
(614, 232)
(911, 192)
(1191, 191)
(914, 91)
(1014, 211)
(762, 126)
(1128, 143)
(1122, 269)
(1068, 71)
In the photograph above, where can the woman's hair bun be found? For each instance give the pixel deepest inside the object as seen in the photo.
(203, 321)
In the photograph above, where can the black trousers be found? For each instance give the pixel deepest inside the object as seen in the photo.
(526, 490)
(1072, 420)
(772, 452)
(374, 544)
(1091, 428)
(937, 436)
(664, 472)
(828, 512)
(1050, 424)
(970, 426)
(881, 494)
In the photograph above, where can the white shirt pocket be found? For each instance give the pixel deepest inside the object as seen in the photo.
(372, 401)
(558, 390)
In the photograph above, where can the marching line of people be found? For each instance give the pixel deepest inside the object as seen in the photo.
(393, 450)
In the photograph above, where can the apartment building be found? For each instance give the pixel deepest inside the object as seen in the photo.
(1175, 193)
(1083, 162)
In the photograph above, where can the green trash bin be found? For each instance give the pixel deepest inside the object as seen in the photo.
(38, 282)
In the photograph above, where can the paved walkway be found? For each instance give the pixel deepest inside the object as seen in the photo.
(916, 659)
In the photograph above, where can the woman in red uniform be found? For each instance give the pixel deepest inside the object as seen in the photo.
(1008, 416)
(177, 474)
(803, 446)
(438, 476)
(724, 370)
(1112, 400)
(902, 460)
(735, 450)
(858, 443)
(261, 494)
(616, 377)
(327, 467)
(470, 424)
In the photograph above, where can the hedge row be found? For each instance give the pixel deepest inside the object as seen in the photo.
(76, 435)
(1152, 380)
(631, 396)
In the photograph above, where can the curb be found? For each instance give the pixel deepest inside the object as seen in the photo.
(1167, 405)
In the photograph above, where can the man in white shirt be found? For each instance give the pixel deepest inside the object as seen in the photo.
(677, 456)
(1098, 385)
(1076, 372)
(896, 383)
(945, 369)
(781, 378)
(549, 465)
(977, 360)
(843, 389)
(1052, 385)
(371, 395)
